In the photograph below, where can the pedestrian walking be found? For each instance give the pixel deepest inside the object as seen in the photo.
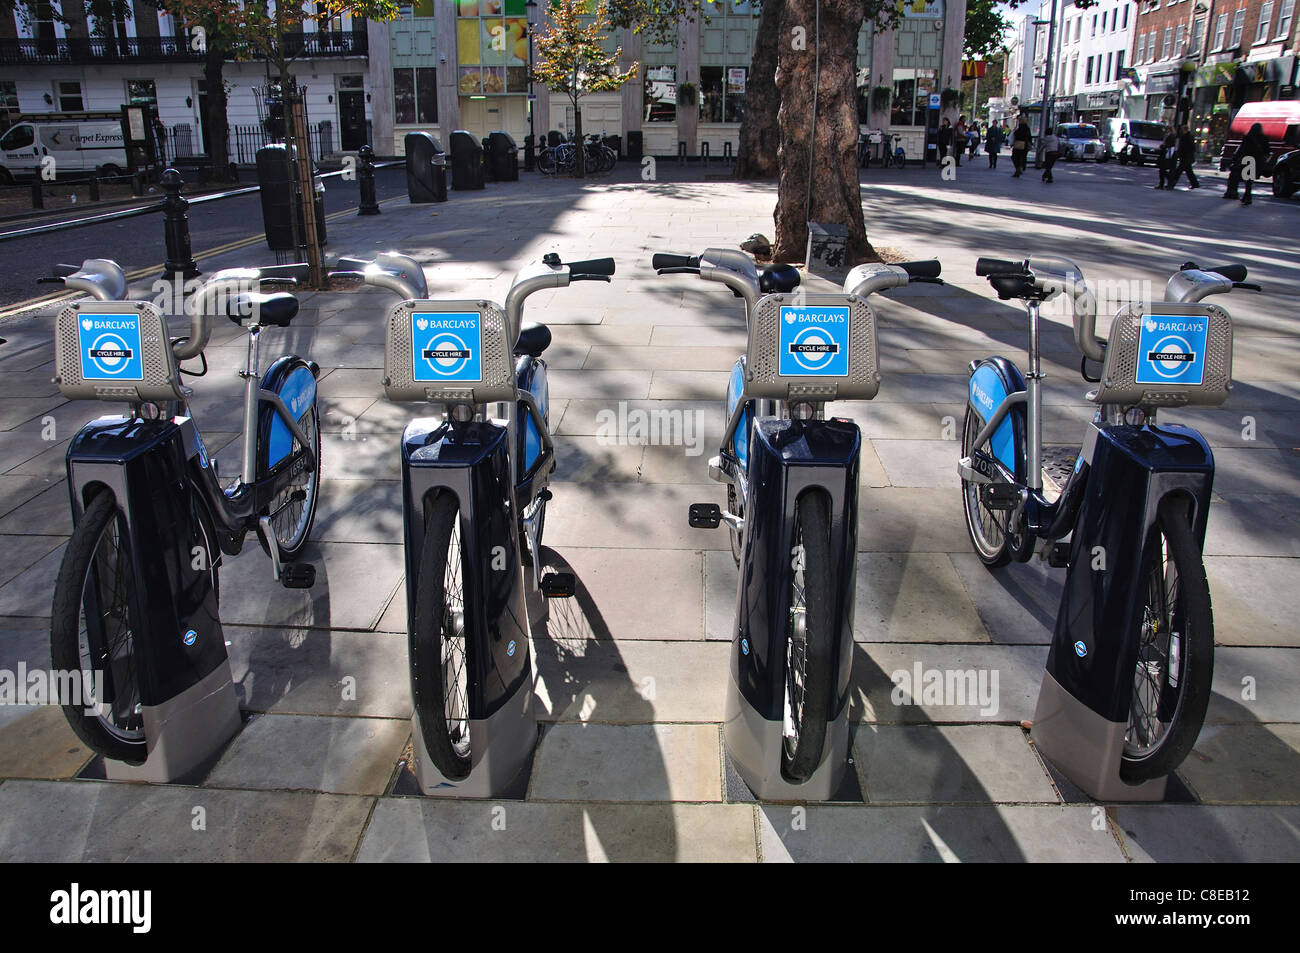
(943, 138)
(1051, 152)
(1186, 156)
(1254, 146)
(1020, 147)
(1167, 161)
(974, 136)
(959, 143)
(993, 145)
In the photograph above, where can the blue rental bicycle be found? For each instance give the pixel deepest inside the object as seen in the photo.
(475, 486)
(1128, 676)
(136, 600)
(792, 489)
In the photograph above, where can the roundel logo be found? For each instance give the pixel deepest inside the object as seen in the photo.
(744, 646)
(190, 637)
(109, 352)
(813, 348)
(1170, 355)
(510, 649)
(1080, 649)
(446, 354)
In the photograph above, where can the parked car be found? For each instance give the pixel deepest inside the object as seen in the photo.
(1134, 140)
(1080, 141)
(77, 145)
(1280, 121)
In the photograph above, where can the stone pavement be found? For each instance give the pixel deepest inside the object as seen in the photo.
(632, 672)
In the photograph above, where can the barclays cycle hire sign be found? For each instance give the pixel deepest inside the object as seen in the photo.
(447, 346)
(814, 342)
(1171, 349)
(109, 345)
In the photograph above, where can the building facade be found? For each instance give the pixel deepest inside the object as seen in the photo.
(51, 66)
(1094, 51)
(1201, 60)
(463, 64)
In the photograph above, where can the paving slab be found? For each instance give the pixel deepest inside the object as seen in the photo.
(912, 597)
(30, 593)
(1245, 764)
(96, 822)
(628, 516)
(901, 519)
(1226, 835)
(20, 553)
(47, 513)
(1254, 599)
(1265, 525)
(36, 742)
(662, 762)
(596, 460)
(319, 672)
(629, 682)
(958, 683)
(359, 511)
(1017, 603)
(1254, 685)
(354, 583)
(307, 752)
(922, 764)
(628, 594)
(406, 830)
(999, 834)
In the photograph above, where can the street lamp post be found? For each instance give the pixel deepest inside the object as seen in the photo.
(530, 144)
(1048, 96)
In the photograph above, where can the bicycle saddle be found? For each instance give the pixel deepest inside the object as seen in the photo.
(533, 340)
(778, 279)
(276, 309)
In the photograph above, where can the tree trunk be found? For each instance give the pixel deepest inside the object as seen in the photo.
(580, 159)
(835, 196)
(214, 64)
(759, 134)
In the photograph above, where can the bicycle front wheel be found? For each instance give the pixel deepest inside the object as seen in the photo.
(808, 641)
(986, 528)
(1175, 662)
(91, 633)
(546, 161)
(294, 508)
(439, 660)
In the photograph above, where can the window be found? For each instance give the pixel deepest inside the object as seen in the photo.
(1220, 30)
(1087, 72)
(67, 95)
(722, 93)
(1238, 27)
(141, 91)
(1119, 64)
(1284, 18)
(19, 137)
(8, 96)
(661, 94)
(1109, 62)
(1198, 35)
(1126, 16)
(1180, 38)
(492, 51)
(1265, 20)
(1167, 48)
(415, 96)
(1078, 28)
(912, 89)
(1094, 24)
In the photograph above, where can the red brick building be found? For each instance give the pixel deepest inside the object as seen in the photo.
(1201, 59)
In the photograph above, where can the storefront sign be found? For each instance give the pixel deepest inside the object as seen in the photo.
(920, 9)
(1162, 83)
(736, 80)
(1106, 100)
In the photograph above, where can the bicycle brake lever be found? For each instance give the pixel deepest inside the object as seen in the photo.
(1247, 286)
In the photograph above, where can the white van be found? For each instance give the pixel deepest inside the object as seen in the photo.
(76, 145)
(1135, 140)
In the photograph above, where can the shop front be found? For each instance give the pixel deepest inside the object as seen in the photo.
(1096, 108)
(1160, 95)
(1220, 89)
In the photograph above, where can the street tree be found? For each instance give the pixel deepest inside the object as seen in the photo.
(572, 59)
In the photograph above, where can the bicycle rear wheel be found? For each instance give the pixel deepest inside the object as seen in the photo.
(808, 641)
(294, 508)
(91, 632)
(986, 528)
(546, 161)
(1175, 663)
(439, 660)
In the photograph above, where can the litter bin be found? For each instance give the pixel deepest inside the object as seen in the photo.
(615, 143)
(554, 138)
(504, 157)
(488, 175)
(275, 190)
(422, 151)
(466, 161)
(634, 145)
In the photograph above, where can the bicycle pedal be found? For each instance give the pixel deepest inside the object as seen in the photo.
(298, 575)
(1058, 556)
(558, 585)
(705, 515)
(999, 496)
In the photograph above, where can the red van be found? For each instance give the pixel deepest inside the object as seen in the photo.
(1281, 122)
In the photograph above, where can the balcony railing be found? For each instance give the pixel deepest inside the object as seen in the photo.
(26, 51)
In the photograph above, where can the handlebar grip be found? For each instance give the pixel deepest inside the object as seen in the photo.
(922, 269)
(664, 260)
(589, 278)
(997, 266)
(594, 266)
(1231, 272)
(62, 271)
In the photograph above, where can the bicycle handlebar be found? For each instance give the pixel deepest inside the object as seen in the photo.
(1231, 272)
(661, 260)
(591, 268)
(998, 266)
(917, 270)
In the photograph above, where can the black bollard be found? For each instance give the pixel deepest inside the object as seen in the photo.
(366, 178)
(137, 183)
(94, 186)
(176, 228)
(38, 195)
(530, 158)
